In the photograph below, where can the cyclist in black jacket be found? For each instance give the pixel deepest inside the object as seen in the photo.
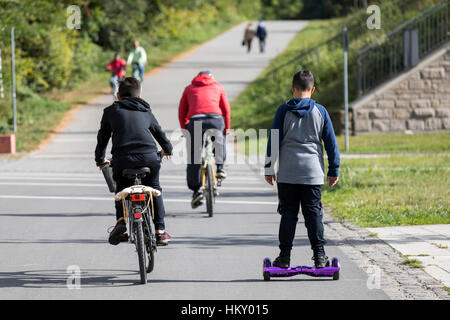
(132, 126)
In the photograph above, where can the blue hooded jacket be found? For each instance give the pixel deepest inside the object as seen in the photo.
(298, 130)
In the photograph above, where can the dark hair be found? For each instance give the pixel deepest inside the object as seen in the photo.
(303, 80)
(205, 72)
(129, 87)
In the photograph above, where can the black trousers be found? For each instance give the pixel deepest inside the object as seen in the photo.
(291, 197)
(249, 45)
(152, 161)
(262, 45)
(196, 128)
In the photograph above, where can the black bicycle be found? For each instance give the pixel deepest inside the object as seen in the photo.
(139, 213)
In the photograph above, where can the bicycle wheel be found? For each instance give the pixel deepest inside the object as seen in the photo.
(150, 246)
(141, 251)
(209, 191)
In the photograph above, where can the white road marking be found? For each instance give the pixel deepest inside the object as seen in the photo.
(47, 175)
(10, 197)
(103, 185)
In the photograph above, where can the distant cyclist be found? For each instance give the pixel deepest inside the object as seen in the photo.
(117, 67)
(137, 59)
(203, 106)
(133, 129)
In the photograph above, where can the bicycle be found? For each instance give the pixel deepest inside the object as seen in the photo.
(210, 182)
(138, 201)
(136, 73)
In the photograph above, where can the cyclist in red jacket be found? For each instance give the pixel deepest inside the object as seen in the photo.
(204, 106)
(117, 68)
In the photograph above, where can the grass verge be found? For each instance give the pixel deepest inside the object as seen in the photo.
(383, 143)
(392, 191)
(379, 143)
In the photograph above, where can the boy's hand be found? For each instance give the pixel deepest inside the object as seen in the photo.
(332, 181)
(270, 179)
(101, 164)
(164, 154)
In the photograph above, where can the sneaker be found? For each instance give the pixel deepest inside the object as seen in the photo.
(163, 239)
(197, 199)
(221, 174)
(321, 261)
(115, 237)
(282, 262)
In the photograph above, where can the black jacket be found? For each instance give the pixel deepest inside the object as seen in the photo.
(132, 125)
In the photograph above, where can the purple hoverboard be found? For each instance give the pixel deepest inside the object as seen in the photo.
(276, 272)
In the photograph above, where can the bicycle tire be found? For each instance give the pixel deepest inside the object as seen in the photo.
(150, 247)
(141, 251)
(151, 261)
(209, 191)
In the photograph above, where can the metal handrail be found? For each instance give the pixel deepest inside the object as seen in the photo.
(403, 47)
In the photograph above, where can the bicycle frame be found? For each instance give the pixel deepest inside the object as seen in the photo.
(208, 159)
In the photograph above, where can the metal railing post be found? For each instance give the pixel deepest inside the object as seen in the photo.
(345, 47)
(13, 76)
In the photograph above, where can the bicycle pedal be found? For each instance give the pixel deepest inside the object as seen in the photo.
(162, 244)
(124, 237)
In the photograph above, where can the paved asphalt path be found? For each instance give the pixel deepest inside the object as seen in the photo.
(55, 209)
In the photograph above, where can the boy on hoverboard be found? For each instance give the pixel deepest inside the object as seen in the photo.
(298, 130)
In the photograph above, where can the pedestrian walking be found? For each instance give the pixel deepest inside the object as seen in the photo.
(249, 34)
(261, 33)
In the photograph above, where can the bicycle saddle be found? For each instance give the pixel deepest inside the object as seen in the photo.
(140, 172)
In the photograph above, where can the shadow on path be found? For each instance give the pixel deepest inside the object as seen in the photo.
(101, 278)
(61, 278)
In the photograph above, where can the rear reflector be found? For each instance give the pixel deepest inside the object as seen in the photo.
(137, 197)
(138, 215)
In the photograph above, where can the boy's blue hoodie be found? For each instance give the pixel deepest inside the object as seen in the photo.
(298, 130)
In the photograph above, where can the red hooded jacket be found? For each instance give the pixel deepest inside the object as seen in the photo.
(204, 95)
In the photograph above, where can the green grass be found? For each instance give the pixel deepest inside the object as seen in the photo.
(382, 143)
(379, 143)
(446, 289)
(413, 263)
(392, 191)
(440, 246)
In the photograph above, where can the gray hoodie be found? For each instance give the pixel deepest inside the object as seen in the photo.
(302, 125)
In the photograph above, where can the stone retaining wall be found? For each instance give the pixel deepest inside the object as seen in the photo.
(418, 100)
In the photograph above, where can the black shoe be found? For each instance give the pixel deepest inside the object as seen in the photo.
(221, 174)
(124, 237)
(197, 199)
(282, 262)
(321, 261)
(115, 237)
